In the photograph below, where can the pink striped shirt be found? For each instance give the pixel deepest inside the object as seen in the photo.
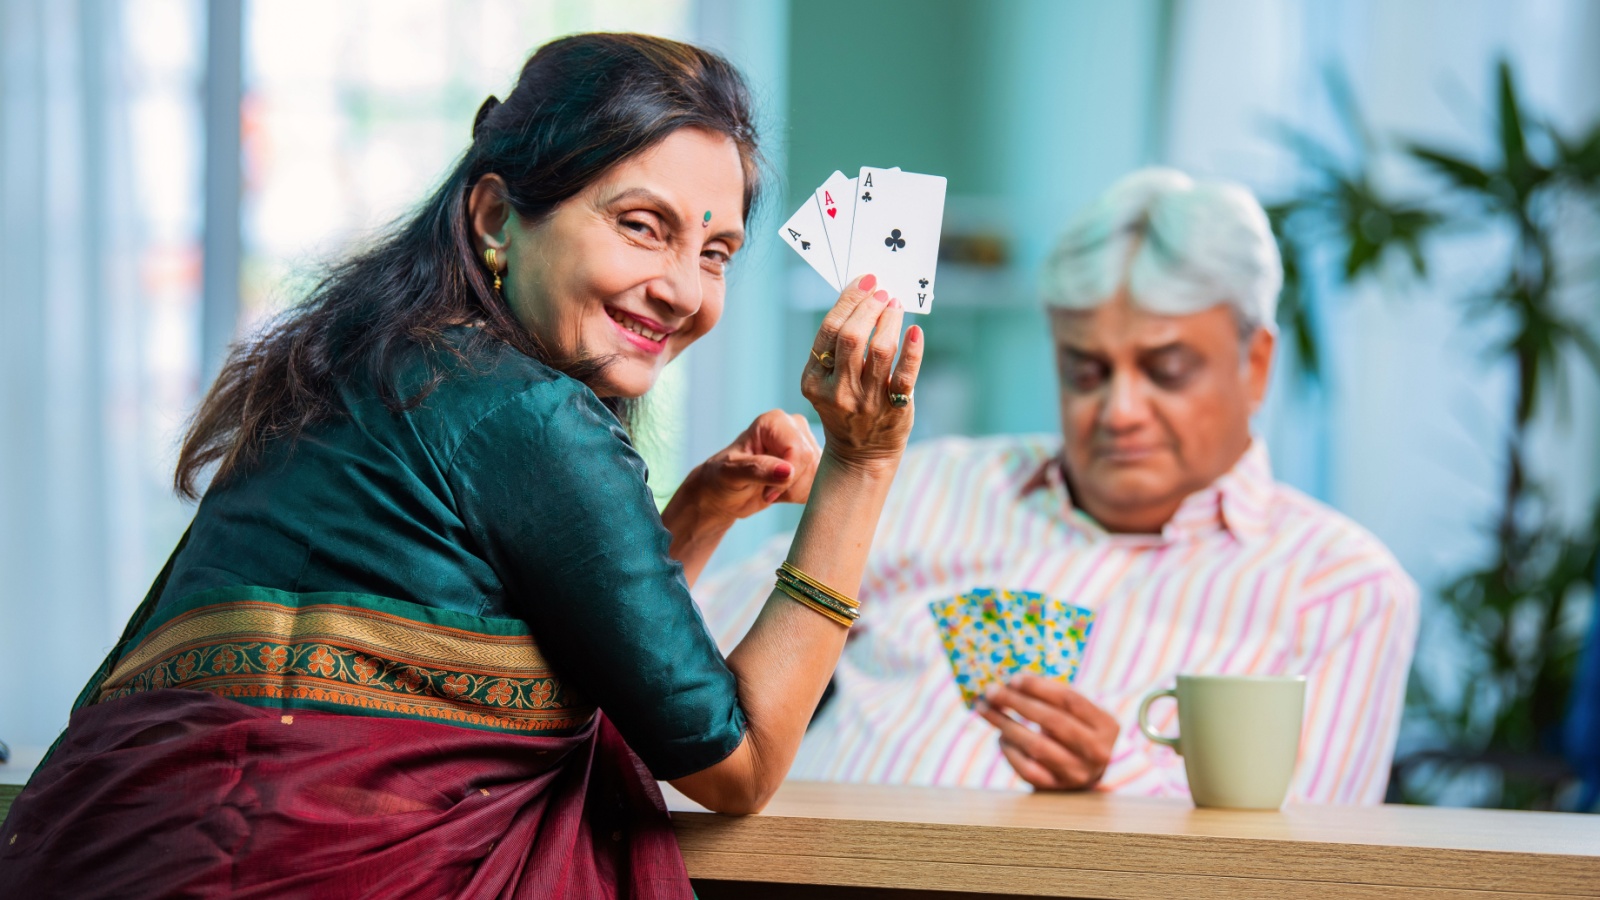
(1249, 577)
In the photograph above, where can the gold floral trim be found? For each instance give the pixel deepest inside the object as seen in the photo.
(347, 658)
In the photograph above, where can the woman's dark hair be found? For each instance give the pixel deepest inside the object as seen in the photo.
(581, 105)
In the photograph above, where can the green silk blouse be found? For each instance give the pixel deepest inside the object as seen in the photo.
(509, 492)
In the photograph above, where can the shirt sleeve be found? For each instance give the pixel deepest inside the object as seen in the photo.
(1353, 641)
(551, 488)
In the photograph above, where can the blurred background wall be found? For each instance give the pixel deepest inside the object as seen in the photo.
(172, 171)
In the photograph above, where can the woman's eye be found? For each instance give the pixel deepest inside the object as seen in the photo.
(640, 226)
(717, 259)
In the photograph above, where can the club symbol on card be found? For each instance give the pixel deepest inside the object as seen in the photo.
(922, 282)
(867, 197)
(894, 241)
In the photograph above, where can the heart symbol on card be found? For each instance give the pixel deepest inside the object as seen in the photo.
(833, 212)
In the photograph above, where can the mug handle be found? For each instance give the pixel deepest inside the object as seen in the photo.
(1144, 718)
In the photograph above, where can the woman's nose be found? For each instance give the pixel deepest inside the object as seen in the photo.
(679, 288)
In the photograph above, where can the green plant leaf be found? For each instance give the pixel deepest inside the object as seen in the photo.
(1513, 137)
(1362, 255)
(1581, 159)
(1348, 111)
(1293, 315)
(1458, 171)
(1310, 150)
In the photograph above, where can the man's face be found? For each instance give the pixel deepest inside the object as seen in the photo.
(1153, 407)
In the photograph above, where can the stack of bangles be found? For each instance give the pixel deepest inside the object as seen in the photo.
(818, 596)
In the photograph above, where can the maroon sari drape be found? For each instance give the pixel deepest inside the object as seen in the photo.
(182, 793)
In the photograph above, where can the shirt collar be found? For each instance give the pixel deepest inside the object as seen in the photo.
(1238, 502)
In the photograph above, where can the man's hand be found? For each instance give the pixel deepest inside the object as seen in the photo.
(773, 461)
(1072, 744)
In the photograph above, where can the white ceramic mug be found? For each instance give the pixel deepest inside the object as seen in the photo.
(1239, 736)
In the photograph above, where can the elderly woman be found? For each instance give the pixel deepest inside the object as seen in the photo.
(427, 634)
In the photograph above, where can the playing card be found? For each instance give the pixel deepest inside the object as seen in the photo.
(1048, 636)
(804, 233)
(974, 639)
(836, 203)
(895, 233)
(837, 200)
(991, 635)
(1066, 633)
(1023, 615)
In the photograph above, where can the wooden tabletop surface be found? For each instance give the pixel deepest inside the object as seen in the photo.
(1097, 845)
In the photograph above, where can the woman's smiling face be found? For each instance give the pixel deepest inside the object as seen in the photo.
(631, 270)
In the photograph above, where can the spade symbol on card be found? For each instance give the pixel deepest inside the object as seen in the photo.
(894, 241)
(805, 245)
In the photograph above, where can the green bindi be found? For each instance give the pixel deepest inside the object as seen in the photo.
(706, 222)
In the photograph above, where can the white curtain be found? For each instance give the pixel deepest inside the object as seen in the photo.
(75, 547)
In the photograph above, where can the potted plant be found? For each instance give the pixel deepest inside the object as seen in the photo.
(1517, 611)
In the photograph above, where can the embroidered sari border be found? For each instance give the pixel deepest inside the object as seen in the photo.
(353, 654)
(346, 626)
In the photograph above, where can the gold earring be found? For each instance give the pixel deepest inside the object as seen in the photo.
(493, 259)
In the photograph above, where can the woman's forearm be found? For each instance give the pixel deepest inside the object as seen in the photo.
(696, 531)
(783, 664)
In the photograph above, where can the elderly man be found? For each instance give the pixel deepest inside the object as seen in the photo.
(1156, 508)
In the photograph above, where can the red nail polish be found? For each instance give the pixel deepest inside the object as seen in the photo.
(783, 470)
(881, 296)
(868, 282)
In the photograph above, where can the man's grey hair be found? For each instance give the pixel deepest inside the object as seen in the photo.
(1178, 245)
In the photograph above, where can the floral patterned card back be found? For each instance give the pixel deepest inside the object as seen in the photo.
(991, 635)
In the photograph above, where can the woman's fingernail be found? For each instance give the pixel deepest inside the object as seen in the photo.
(770, 495)
(895, 303)
(868, 282)
(992, 691)
(914, 334)
(783, 470)
(881, 296)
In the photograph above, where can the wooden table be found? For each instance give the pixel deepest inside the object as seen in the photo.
(856, 841)
(861, 842)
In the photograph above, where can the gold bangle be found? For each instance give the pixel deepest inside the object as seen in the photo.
(795, 574)
(834, 603)
(812, 604)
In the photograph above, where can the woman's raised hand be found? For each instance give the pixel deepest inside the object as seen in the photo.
(862, 395)
(773, 461)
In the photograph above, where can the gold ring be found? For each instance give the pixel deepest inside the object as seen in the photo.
(824, 359)
(899, 401)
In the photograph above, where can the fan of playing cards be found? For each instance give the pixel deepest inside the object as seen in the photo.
(884, 221)
(991, 635)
